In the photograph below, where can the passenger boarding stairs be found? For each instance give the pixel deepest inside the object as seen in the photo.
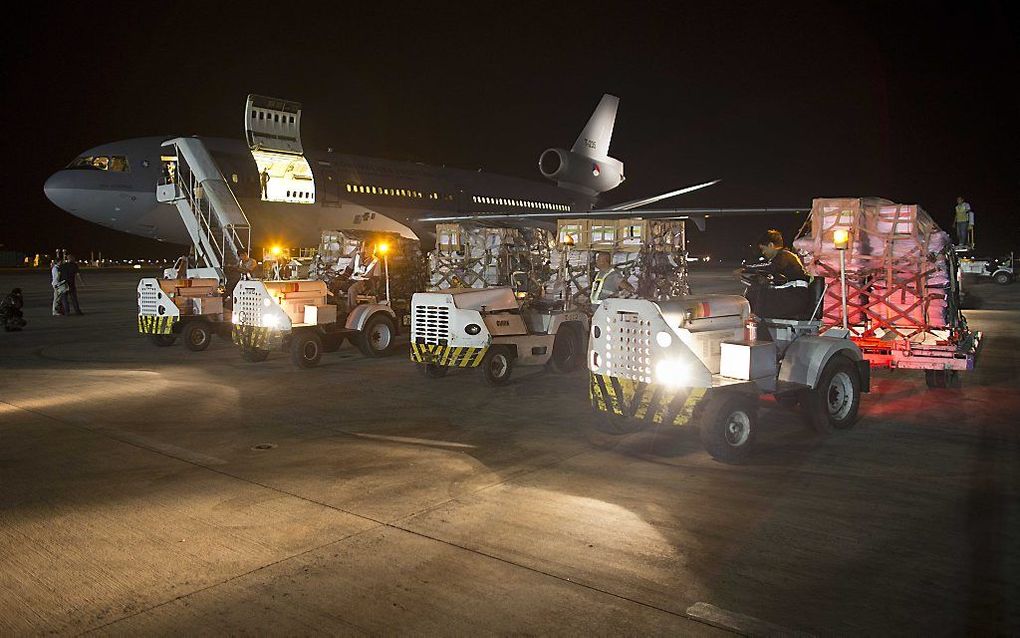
(218, 227)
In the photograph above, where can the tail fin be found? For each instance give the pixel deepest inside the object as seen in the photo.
(594, 140)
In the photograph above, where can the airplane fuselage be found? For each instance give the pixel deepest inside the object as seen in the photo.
(351, 192)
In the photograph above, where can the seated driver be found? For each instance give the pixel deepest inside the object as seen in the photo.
(609, 280)
(779, 283)
(363, 269)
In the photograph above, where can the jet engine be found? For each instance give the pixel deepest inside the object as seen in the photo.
(587, 167)
(578, 172)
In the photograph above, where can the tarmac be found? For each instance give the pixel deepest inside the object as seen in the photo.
(150, 490)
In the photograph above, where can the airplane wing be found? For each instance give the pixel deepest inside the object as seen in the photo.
(697, 215)
(624, 209)
(658, 198)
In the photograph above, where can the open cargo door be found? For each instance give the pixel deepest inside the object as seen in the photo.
(273, 131)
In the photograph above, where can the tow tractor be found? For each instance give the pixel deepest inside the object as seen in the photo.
(191, 308)
(295, 315)
(492, 329)
(999, 269)
(696, 360)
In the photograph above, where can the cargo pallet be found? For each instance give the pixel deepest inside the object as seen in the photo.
(897, 316)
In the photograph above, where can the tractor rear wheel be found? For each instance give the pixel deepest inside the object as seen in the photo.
(834, 402)
(197, 335)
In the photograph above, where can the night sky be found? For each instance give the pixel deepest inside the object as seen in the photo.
(783, 101)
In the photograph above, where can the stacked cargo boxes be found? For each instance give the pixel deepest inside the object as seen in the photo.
(650, 253)
(194, 296)
(406, 265)
(897, 267)
(481, 255)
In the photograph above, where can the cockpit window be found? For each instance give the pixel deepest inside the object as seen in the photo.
(115, 163)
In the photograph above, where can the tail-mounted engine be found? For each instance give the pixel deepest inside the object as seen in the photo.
(587, 167)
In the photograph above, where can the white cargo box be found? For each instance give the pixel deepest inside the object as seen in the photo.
(748, 360)
(493, 299)
(208, 305)
(317, 315)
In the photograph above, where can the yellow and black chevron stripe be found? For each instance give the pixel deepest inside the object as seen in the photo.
(643, 401)
(453, 357)
(154, 325)
(255, 337)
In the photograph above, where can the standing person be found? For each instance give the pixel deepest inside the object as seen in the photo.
(59, 288)
(962, 220)
(609, 281)
(69, 274)
(246, 265)
(264, 180)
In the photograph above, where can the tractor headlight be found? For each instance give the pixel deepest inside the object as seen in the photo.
(270, 321)
(472, 329)
(671, 372)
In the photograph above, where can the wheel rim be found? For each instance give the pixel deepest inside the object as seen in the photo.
(840, 397)
(380, 336)
(499, 366)
(198, 337)
(310, 351)
(738, 428)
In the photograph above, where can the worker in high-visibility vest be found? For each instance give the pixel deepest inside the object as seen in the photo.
(963, 221)
(608, 282)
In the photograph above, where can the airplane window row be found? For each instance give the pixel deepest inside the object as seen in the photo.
(299, 194)
(500, 201)
(272, 117)
(397, 192)
(115, 163)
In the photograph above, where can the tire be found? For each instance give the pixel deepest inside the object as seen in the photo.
(376, 340)
(254, 355)
(163, 341)
(938, 379)
(568, 352)
(497, 366)
(306, 350)
(834, 402)
(1003, 278)
(432, 371)
(197, 335)
(729, 427)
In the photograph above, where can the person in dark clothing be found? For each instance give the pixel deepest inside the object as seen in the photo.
(10, 311)
(777, 282)
(69, 274)
(777, 261)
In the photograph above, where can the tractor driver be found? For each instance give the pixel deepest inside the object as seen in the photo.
(363, 268)
(608, 282)
(778, 282)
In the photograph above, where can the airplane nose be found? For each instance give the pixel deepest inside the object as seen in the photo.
(58, 189)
